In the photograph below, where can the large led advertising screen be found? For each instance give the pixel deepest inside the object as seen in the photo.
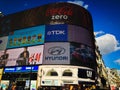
(68, 13)
(80, 35)
(3, 42)
(22, 56)
(26, 37)
(82, 55)
(55, 13)
(86, 73)
(56, 53)
(56, 33)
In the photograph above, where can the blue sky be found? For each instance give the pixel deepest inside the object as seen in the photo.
(106, 22)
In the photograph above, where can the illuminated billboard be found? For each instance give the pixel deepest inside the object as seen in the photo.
(86, 73)
(82, 55)
(70, 33)
(55, 13)
(67, 13)
(21, 69)
(56, 53)
(3, 42)
(80, 35)
(56, 33)
(65, 30)
(22, 56)
(26, 37)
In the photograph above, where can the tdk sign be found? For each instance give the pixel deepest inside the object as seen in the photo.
(56, 33)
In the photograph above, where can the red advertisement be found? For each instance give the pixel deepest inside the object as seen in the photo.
(22, 56)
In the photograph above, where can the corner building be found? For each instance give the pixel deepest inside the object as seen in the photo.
(60, 42)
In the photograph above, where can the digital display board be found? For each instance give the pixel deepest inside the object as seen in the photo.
(56, 53)
(80, 35)
(56, 33)
(21, 69)
(63, 30)
(55, 13)
(67, 13)
(22, 56)
(82, 55)
(27, 37)
(86, 73)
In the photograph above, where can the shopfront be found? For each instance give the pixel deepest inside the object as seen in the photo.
(23, 76)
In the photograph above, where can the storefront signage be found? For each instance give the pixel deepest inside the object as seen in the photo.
(21, 69)
(86, 73)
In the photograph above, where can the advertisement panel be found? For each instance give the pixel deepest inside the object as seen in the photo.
(68, 13)
(3, 42)
(56, 53)
(23, 56)
(82, 55)
(21, 69)
(26, 37)
(86, 73)
(80, 35)
(56, 33)
(55, 13)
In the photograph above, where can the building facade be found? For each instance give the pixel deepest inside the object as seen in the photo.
(59, 43)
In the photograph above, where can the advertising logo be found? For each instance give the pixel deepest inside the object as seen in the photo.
(86, 73)
(65, 10)
(57, 32)
(56, 50)
(56, 53)
(59, 12)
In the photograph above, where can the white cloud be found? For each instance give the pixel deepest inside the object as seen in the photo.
(107, 43)
(98, 33)
(79, 2)
(117, 61)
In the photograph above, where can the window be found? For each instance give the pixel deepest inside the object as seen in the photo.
(52, 73)
(67, 73)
